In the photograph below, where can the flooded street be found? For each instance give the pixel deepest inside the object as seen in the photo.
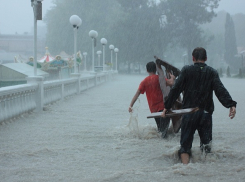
(91, 137)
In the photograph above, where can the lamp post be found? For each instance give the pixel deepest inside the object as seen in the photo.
(85, 55)
(242, 55)
(103, 41)
(37, 10)
(111, 47)
(184, 57)
(98, 53)
(116, 50)
(93, 34)
(75, 22)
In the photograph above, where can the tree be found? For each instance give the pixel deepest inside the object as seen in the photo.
(221, 72)
(239, 22)
(132, 26)
(215, 50)
(182, 20)
(130, 5)
(96, 15)
(140, 33)
(230, 42)
(228, 74)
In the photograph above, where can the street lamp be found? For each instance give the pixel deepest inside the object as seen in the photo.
(75, 22)
(242, 55)
(37, 10)
(116, 50)
(184, 57)
(111, 47)
(93, 34)
(85, 55)
(98, 53)
(103, 41)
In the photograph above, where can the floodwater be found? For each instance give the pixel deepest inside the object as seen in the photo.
(91, 137)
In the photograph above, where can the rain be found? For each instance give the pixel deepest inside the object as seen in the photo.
(87, 133)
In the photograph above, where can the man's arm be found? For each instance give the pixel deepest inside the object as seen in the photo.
(224, 97)
(222, 93)
(130, 109)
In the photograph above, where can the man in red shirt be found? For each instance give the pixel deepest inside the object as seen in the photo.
(150, 85)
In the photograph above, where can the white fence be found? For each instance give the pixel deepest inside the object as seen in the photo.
(19, 99)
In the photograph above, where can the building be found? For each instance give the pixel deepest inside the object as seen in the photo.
(6, 57)
(21, 44)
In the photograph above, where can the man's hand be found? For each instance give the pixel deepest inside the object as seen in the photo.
(163, 113)
(232, 112)
(172, 76)
(130, 109)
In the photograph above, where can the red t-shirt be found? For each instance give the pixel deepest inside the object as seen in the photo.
(151, 86)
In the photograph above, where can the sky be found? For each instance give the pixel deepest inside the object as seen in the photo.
(16, 16)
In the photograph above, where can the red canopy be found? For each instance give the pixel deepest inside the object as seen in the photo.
(46, 58)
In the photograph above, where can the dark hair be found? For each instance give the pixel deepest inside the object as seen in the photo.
(151, 67)
(199, 53)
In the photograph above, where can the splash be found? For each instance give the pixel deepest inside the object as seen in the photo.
(141, 132)
(133, 120)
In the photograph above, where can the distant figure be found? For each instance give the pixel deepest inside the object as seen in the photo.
(151, 86)
(198, 82)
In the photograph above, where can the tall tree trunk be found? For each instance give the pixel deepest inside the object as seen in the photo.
(189, 53)
(129, 71)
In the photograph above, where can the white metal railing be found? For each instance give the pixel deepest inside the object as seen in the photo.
(20, 99)
(16, 100)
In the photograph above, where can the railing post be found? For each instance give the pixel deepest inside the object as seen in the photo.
(39, 96)
(105, 75)
(110, 75)
(87, 83)
(78, 85)
(62, 91)
(95, 77)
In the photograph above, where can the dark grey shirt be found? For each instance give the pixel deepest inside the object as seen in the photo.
(198, 82)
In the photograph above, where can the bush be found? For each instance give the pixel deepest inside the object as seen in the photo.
(228, 73)
(220, 72)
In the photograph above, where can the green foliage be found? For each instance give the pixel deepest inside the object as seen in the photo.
(129, 5)
(241, 73)
(220, 72)
(230, 42)
(239, 22)
(215, 49)
(228, 74)
(140, 35)
(183, 20)
(136, 27)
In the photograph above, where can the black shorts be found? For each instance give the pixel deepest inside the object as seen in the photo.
(200, 121)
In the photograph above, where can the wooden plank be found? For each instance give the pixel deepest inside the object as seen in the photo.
(173, 113)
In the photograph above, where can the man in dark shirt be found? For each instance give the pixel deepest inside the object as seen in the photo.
(197, 82)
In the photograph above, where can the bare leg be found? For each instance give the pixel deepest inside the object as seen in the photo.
(185, 158)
